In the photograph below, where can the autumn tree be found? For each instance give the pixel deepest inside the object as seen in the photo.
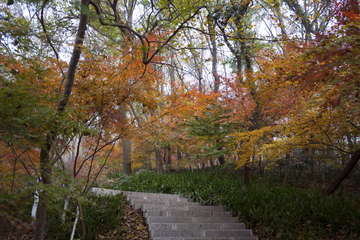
(310, 97)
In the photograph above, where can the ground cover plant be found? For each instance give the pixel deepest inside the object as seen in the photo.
(272, 211)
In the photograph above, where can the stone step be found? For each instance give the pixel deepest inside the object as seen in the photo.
(161, 195)
(228, 233)
(172, 217)
(147, 207)
(204, 238)
(158, 213)
(191, 220)
(197, 227)
(137, 204)
(149, 198)
(103, 191)
(204, 233)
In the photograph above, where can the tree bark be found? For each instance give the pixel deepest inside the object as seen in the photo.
(178, 153)
(287, 165)
(158, 160)
(247, 174)
(45, 165)
(2, 227)
(168, 155)
(214, 61)
(221, 157)
(349, 167)
(323, 175)
(126, 156)
(126, 144)
(261, 169)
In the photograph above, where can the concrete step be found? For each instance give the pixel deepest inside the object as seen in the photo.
(158, 213)
(228, 233)
(197, 227)
(103, 191)
(157, 195)
(172, 217)
(137, 203)
(204, 233)
(172, 198)
(147, 207)
(191, 220)
(204, 238)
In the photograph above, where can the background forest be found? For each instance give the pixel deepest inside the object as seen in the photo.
(92, 88)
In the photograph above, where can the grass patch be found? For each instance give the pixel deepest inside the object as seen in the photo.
(278, 212)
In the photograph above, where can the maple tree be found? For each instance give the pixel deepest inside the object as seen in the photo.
(309, 95)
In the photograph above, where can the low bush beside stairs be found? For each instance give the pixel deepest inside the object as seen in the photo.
(172, 217)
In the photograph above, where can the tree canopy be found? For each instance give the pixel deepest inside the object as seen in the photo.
(188, 83)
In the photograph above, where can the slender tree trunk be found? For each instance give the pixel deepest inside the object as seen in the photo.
(168, 160)
(178, 153)
(81, 218)
(247, 174)
(214, 62)
(45, 166)
(126, 156)
(221, 158)
(337, 181)
(313, 165)
(323, 175)
(2, 227)
(203, 165)
(280, 168)
(261, 168)
(212, 162)
(158, 160)
(126, 144)
(287, 166)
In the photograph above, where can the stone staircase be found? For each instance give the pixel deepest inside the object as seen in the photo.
(172, 217)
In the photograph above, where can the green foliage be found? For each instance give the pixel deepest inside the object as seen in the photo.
(101, 214)
(212, 128)
(17, 204)
(282, 212)
(23, 115)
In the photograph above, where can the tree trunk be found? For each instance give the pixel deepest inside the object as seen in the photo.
(158, 160)
(323, 174)
(313, 166)
(2, 227)
(126, 156)
(261, 169)
(211, 162)
(168, 159)
(41, 218)
(221, 158)
(126, 144)
(247, 173)
(337, 181)
(287, 165)
(45, 167)
(178, 153)
(203, 165)
(280, 168)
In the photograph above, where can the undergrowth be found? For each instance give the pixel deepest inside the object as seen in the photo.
(276, 211)
(101, 214)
